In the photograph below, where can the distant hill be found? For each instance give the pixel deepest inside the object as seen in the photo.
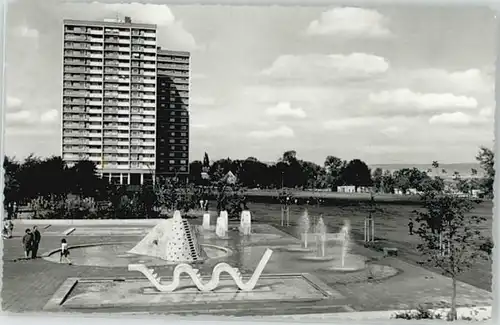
(463, 168)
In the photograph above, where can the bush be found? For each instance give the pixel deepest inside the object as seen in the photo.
(420, 313)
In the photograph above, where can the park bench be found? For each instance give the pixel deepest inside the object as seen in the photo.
(390, 251)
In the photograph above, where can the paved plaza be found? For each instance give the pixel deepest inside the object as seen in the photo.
(99, 281)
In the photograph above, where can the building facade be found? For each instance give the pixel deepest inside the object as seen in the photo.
(172, 132)
(109, 113)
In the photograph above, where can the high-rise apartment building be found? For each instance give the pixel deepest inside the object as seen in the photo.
(110, 106)
(172, 133)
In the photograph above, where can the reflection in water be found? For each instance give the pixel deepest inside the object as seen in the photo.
(116, 255)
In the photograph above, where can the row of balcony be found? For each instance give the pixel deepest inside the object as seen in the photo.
(81, 70)
(109, 161)
(124, 152)
(82, 102)
(115, 134)
(173, 66)
(172, 72)
(83, 46)
(165, 58)
(79, 62)
(109, 117)
(162, 88)
(94, 113)
(83, 77)
(83, 30)
(84, 38)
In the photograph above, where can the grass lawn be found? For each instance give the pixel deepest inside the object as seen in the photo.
(391, 226)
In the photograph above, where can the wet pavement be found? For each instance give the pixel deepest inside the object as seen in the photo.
(386, 284)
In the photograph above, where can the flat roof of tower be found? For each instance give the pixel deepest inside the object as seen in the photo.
(107, 23)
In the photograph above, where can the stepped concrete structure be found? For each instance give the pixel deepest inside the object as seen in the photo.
(173, 240)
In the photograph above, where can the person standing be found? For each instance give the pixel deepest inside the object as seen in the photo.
(36, 242)
(64, 252)
(410, 227)
(27, 242)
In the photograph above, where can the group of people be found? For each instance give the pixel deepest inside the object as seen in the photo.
(31, 242)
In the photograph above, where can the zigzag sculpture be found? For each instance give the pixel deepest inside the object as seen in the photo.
(195, 276)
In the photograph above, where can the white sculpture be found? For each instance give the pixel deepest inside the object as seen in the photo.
(195, 276)
(206, 221)
(172, 240)
(225, 219)
(246, 222)
(220, 230)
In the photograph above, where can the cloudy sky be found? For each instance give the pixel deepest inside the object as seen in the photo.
(386, 85)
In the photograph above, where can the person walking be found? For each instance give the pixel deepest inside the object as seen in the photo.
(27, 242)
(64, 252)
(36, 242)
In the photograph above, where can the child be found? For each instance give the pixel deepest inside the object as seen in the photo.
(64, 252)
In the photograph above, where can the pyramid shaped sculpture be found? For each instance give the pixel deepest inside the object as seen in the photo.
(172, 240)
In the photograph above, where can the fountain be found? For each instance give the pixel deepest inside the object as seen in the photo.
(246, 223)
(304, 224)
(206, 221)
(346, 261)
(320, 231)
(344, 232)
(320, 234)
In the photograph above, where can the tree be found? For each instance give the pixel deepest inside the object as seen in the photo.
(333, 170)
(486, 159)
(195, 170)
(407, 178)
(357, 173)
(450, 239)
(377, 177)
(83, 179)
(11, 186)
(388, 182)
(206, 161)
(402, 181)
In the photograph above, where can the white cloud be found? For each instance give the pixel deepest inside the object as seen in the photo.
(350, 21)
(350, 123)
(333, 66)
(178, 37)
(26, 31)
(170, 32)
(49, 116)
(281, 132)
(470, 80)
(421, 101)
(297, 94)
(142, 13)
(13, 102)
(19, 116)
(285, 109)
(393, 130)
(456, 118)
(487, 112)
